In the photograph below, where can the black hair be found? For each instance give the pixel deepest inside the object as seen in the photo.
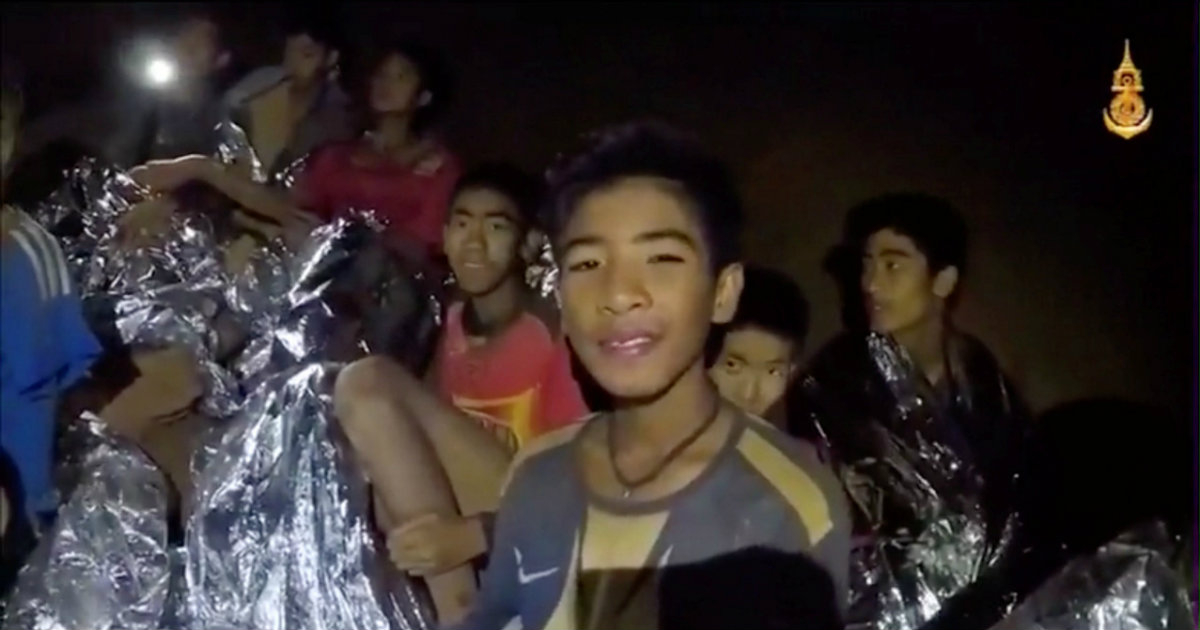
(773, 302)
(653, 150)
(934, 225)
(434, 75)
(321, 23)
(216, 16)
(523, 189)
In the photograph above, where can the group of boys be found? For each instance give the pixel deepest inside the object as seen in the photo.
(635, 515)
(676, 505)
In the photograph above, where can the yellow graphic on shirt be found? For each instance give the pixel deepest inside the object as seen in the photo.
(510, 418)
(798, 489)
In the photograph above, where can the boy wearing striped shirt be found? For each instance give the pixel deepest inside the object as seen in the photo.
(45, 345)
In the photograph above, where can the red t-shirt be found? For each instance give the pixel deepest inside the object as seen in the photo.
(518, 384)
(411, 200)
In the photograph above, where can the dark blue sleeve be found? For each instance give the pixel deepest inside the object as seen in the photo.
(78, 347)
(20, 303)
(497, 603)
(46, 344)
(26, 411)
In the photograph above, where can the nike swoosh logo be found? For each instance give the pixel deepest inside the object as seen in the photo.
(666, 558)
(526, 578)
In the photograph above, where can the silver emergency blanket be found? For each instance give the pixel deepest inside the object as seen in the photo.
(234, 148)
(105, 562)
(1125, 585)
(907, 470)
(279, 536)
(261, 335)
(542, 272)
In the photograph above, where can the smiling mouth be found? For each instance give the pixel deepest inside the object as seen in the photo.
(629, 346)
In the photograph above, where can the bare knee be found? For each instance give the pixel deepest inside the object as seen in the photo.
(366, 383)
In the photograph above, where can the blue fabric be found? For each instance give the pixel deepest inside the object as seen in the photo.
(45, 347)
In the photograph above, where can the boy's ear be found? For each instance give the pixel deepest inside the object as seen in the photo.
(945, 282)
(729, 290)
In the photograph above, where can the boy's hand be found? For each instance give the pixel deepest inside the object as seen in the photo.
(167, 175)
(432, 544)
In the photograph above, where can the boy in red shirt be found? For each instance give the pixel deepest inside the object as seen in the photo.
(439, 448)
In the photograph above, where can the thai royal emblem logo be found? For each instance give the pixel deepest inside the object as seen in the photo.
(1127, 115)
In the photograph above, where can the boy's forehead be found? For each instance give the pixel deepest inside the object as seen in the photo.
(484, 202)
(890, 240)
(757, 344)
(633, 206)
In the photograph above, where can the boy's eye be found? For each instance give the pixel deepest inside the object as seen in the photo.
(666, 258)
(731, 365)
(498, 226)
(583, 265)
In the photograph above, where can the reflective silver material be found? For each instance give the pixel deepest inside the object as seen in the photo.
(907, 467)
(286, 176)
(1125, 585)
(83, 212)
(271, 470)
(234, 148)
(279, 538)
(105, 563)
(542, 273)
(304, 555)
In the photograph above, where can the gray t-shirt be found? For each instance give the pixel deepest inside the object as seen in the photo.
(566, 558)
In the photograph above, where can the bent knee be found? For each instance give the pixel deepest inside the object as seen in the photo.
(365, 382)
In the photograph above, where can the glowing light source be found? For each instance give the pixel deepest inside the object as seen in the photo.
(160, 71)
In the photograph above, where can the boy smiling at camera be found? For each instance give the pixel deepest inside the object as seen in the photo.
(597, 517)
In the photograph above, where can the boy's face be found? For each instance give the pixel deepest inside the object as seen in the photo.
(306, 59)
(482, 239)
(395, 86)
(899, 291)
(754, 368)
(638, 296)
(198, 49)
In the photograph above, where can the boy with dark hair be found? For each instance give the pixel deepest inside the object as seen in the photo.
(289, 110)
(501, 375)
(645, 230)
(919, 415)
(399, 169)
(182, 116)
(913, 252)
(45, 344)
(757, 354)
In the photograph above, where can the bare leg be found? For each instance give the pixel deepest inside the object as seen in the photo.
(407, 465)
